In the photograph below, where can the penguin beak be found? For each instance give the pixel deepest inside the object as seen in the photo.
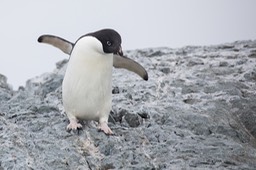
(120, 52)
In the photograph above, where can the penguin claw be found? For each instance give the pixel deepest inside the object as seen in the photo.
(74, 126)
(104, 127)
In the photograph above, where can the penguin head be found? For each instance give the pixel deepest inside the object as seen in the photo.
(110, 40)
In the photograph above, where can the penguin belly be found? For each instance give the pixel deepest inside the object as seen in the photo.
(86, 88)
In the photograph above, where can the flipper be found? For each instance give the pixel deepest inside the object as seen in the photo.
(131, 65)
(118, 61)
(58, 42)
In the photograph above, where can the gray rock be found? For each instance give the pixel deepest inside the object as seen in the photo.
(3, 81)
(250, 76)
(196, 111)
(115, 90)
(252, 54)
(194, 62)
(132, 120)
(223, 64)
(165, 70)
(6, 91)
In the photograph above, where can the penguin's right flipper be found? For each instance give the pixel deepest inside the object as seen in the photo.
(131, 65)
(58, 42)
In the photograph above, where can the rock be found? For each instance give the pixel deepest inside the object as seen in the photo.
(197, 111)
(144, 115)
(191, 101)
(61, 64)
(226, 46)
(250, 76)
(252, 54)
(115, 90)
(6, 91)
(223, 64)
(195, 62)
(248, 118)
(165, 70)
(3, 81)
(132, 120)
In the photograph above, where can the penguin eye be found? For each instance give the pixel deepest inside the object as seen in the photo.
(109, 43)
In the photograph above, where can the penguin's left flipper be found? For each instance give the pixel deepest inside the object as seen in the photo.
(129, 64)
(57, 42)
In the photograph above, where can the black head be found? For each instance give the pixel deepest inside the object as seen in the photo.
(110, 39)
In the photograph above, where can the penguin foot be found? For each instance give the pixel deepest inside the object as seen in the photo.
(104, 127)
(74, 125)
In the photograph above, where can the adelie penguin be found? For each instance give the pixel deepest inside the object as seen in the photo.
(87, 84)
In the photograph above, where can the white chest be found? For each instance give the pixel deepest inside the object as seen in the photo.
(87, 84)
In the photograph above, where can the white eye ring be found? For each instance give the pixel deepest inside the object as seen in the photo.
(109, 43)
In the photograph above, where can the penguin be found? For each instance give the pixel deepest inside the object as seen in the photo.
(87, 83)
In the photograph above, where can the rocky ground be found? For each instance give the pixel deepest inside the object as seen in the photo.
(197, 111)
